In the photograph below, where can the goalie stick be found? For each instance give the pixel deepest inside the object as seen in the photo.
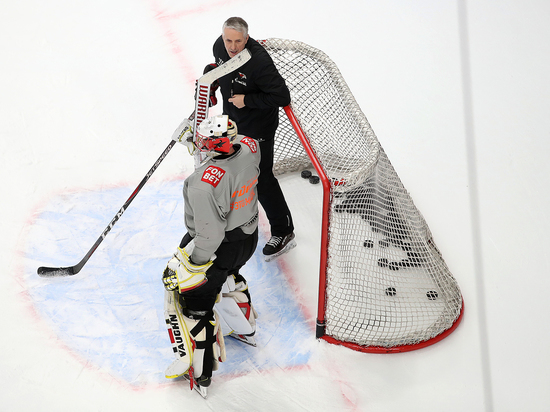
(203, 92)
(201, 111)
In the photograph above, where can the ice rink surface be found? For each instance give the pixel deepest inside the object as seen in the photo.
(456, 92)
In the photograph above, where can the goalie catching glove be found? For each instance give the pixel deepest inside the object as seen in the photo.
(184, 134)
(182, 274)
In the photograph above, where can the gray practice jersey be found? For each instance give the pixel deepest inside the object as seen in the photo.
(221, 196)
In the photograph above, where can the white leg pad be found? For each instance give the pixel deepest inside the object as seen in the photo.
(179, 336)
(219, 345)
(237, 314)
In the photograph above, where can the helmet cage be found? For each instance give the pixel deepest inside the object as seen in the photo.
(213, 144)
(216, 134)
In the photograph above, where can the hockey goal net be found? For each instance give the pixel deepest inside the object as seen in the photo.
(384, 286)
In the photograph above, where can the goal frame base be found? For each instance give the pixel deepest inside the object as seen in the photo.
(320, 333)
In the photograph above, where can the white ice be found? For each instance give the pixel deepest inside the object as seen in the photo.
(90, 92)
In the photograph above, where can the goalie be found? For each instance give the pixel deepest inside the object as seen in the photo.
(205, 296)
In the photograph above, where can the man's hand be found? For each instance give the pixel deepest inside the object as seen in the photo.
(237, 100)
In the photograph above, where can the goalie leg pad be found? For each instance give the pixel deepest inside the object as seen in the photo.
(237, 314)
(209, 347)
(196, 338)
(182, 343)
(219, 345)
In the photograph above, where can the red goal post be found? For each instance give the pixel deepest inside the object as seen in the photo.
(383, 286)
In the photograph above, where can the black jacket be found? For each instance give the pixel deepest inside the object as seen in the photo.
(264, 89)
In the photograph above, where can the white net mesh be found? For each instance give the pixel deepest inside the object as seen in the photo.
(387, 284)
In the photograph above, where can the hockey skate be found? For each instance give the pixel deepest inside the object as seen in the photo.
(200, 387)
(278, 245)
(178, 369)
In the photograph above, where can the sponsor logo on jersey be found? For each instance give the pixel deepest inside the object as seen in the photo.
(213, 175)
(241, 79)
(245, 190)
(251, 143)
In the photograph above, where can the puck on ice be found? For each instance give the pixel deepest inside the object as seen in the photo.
(306, 174)
(368, 243)
(314, 180)
(432, 295)
(383, 262)
(391, 291)
(384, 243)
(393, 265)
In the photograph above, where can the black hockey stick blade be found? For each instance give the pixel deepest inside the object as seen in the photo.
(47, 272)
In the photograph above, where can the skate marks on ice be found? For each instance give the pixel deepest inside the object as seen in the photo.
(111, 313)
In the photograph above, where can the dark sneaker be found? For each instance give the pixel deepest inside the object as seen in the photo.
(278, 245)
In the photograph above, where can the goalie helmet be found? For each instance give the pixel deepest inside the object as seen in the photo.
(216, 134)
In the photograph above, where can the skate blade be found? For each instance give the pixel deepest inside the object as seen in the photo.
(202, 390)
(288, 247)
(249, 340)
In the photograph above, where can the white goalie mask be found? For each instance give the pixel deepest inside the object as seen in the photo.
(216, 134)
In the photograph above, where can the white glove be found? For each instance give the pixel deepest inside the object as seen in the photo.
(184, 134)
(184, 275)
